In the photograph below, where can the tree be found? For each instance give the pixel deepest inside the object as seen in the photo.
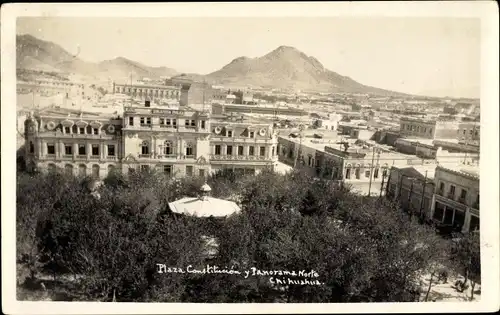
(466, 256)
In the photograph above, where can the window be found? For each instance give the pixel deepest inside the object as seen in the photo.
(451, 194)
(148, 121)
(240, 150)
(81, 149)
(348, 173)
(162, 121)
(375, 173)
(201, 173)
(111, 150)
(229, 133)
(367, 173)
(96, 131)
(32, 147)
(167, 148)
(82, 130)
(262, 151)
(273, 151)
(309, 161)
(167, 170)
(465, 131)
(463, 194)
(430, 130)
(174, 123)
(131, 121)
(95, 149)
(186, 123)
(384, 172)
(217, 149)
(251, 151)
(189, 149)
(51, 149)
(67, 130)
(202, 124)
(229, 150)
(68, 149)
(441, 186)
(193, 123)
(144, 168)
(144, 147)
(143, 120)
(189, 170)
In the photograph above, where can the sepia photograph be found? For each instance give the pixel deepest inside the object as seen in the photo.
(167, 154)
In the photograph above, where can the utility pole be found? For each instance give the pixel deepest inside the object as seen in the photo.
(371, 172)
(423, 194)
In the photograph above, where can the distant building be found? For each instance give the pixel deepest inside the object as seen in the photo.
(469, 133)
(427, 129)
(149, 92)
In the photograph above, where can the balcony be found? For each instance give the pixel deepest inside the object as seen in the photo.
(217, 157)
(147, 156)
(81, 156)
(440, 192)
(167, 156)
(95, 157)
(167, 126)
(450, 196)
(68, 156)
(462, 200)
(111, 158)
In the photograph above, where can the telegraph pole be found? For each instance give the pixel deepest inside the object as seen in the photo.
(423, 194)
(371, 172)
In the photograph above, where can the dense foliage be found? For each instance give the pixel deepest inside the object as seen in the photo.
(362, 249)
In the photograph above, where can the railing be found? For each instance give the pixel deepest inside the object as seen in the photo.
(462, 200)
(451, 196)
(238, 157)
(81, 156)
(167, 156)
(68, 156)
(475, 205)
(144, 155)
(95, 157)
(111, 158)
(440, 192)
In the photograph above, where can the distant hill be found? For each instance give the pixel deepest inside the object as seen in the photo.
(35, 54)
(287, 68)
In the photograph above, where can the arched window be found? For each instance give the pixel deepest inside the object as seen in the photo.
(189, 149)
(111, 168)
(358, 171)
(384, 170)
(348, 171)
(95, 171)
(145, 147)
(82, 170)
(167, 148)
(68, 169)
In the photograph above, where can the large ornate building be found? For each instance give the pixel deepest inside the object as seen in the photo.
(178, 142)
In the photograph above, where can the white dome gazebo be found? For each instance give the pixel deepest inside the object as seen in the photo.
(204, 206)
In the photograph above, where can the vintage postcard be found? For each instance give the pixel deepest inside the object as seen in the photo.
(250, 157)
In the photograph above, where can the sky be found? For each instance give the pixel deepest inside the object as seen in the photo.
(417, 55)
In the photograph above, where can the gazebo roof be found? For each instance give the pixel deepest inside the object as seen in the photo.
(204, 207)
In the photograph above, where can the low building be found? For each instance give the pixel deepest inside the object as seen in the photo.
(427, 128)
(456, 199)
(469, 133)
(413, 186)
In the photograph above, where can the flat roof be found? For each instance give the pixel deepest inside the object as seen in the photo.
(467, 170)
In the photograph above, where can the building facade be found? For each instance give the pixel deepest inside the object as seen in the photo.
(148, 92)
(177, 142)
(413, 187)
(427, 129)
(469, 133)
(456, 198)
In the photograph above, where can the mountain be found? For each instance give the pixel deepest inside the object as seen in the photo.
(36, 54)
(287, 68)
